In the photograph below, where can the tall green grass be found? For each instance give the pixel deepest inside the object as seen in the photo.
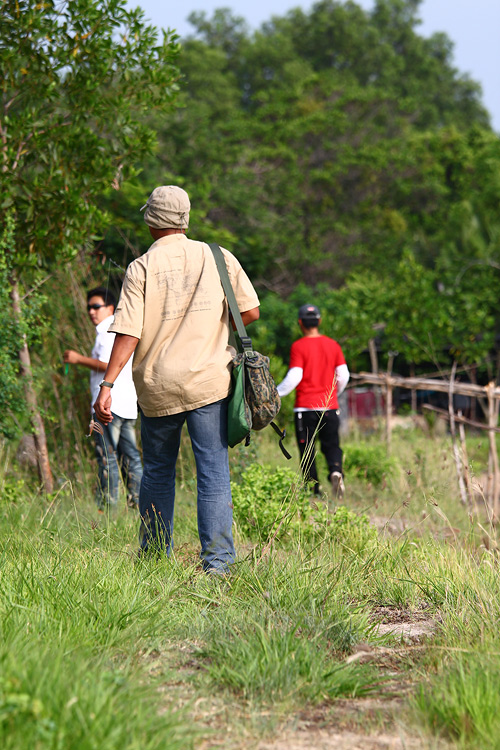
(462, 701)
(80, 615)
(272, 661)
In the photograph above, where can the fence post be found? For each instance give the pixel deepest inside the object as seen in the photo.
(465, 461)
(456, 452)
(388, 401)
(372, 348)
(493, 455)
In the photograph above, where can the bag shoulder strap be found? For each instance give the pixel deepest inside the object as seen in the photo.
(246, 341)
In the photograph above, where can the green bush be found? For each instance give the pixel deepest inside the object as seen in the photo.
(28, 326)
(367, 461)
(272, 502)
(353, 529)
(275, 502)
(12, 490)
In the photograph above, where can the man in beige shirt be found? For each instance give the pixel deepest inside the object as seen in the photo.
(173, 315)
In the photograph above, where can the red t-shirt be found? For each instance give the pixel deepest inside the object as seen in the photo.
(318, 356)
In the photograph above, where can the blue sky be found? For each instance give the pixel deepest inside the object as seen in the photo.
(473, 26)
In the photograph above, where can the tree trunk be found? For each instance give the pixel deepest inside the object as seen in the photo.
(37, 425)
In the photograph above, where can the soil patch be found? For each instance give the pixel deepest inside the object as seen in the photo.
(407, 626)
(332, 740)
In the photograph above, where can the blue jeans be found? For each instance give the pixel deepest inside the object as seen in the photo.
(207, 427)
(117, 447)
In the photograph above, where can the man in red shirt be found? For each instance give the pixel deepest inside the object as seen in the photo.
(319, 374)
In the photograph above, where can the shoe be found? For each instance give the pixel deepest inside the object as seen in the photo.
(338, 487)
(217, 572)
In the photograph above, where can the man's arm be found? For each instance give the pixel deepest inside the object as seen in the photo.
(247, 317)
(342, 377)
(123, 348)
(73, 358)
(290, 381)
(250, 315)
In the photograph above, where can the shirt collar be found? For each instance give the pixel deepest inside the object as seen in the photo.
(103, 326)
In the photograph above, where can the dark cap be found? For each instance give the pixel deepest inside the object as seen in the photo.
(309, 312)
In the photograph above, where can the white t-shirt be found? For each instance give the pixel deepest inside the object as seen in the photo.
(124, 397)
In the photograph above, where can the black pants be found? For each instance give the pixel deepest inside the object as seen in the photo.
(325, 426)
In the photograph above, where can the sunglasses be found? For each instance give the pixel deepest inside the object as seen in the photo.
(95, 307)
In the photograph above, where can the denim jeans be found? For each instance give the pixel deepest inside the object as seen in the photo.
(325, 426)
(207, 427)
(117, 448)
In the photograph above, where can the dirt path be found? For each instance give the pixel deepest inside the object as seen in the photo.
(371, 723)
(332, 740)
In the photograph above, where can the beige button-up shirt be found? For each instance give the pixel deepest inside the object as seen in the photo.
(172, 301)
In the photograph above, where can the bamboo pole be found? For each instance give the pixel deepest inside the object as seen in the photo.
(424, 384)
(388, 402)
(413, 391)
(453, 434)
(459, 418)
(465, 462)
(493, 455)
(372, 348)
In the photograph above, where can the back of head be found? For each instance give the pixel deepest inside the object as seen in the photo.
(106, 295)
(167, 207)
(309, 316)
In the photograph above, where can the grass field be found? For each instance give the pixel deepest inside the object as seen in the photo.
(373, 627)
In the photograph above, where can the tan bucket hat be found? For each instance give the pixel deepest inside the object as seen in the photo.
(168, 206)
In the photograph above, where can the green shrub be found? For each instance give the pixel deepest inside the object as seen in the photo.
(367, 461)
(353, 529)
(12, 490)
(270, 502)
(275, 502)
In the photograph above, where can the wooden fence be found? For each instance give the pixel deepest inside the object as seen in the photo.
(488, 396)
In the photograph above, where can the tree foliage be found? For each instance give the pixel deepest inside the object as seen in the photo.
(78, 78)
(345, 160)
(337, 151)
(13, 416)
(326, 141)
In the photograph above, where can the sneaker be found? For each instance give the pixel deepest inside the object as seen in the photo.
(338, 487)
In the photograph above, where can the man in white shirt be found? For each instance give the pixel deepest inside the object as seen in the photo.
(117, 444)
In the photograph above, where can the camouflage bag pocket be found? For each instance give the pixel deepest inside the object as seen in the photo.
(260, 389)
(254, 400)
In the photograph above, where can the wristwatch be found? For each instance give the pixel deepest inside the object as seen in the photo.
(105, 382)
